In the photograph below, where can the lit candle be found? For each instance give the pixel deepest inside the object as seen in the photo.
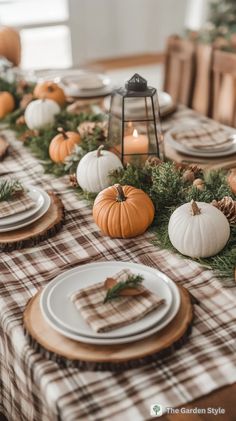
(135, 144)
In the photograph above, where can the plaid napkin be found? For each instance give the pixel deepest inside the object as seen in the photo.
(17, 205)
(204, 136)
(116, 313)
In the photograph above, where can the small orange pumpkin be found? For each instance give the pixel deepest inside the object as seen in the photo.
(123, 212)
(7, 103)
(232, 180)
(10, 46)
(62, 145)
(50, 90)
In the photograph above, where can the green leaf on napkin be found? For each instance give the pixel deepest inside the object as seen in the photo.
(10, 189)
(133, 281)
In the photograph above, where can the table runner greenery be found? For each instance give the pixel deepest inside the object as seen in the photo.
(164, 182)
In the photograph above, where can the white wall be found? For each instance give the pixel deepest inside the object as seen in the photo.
(196, 14)
(111, 28)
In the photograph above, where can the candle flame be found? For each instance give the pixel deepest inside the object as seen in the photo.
(135, 133)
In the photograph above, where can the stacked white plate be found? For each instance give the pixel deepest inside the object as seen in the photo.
(135, 106)
(27, 217)
(86, 85)
(227, 148)
(61, 314)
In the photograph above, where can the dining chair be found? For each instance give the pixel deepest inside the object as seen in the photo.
(224, 87)
(179, 69)
(202, 90)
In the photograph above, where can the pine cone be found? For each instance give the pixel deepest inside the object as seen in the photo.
(86, 128)
(20, 121)
(153, 161)
(228, 206)
(22, 85)
(188, 176)
(199, 184)
(73, 180)
(28, 134)
(196, 170)
(26, 99)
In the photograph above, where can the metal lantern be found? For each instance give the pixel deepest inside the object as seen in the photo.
(134, 130)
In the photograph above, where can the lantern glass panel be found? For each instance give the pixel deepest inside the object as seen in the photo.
(134, 122)
(137, 108)
(115, 128)
(158, 126)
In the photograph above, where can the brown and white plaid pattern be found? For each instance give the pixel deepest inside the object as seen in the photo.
(103, 317)
(33, 388)
(203, 136)
(14, 206)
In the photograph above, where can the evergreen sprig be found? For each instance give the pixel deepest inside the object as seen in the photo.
(168, 190)
(39, 143)
(133, 281)
(9, 189)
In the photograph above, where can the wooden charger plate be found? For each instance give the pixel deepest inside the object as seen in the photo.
(4, 145)
(169, 338)
(40, 230)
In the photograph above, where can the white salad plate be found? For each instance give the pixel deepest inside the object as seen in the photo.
(36, 195)
(31, 219)
(86, 81)
(90, 93)
(225, 150)
(86, 274)
(87, 85)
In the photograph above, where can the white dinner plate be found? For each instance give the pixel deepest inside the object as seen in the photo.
(111, 341)
(65, 312)
(31, 219)
(36, 196)
(207, 153)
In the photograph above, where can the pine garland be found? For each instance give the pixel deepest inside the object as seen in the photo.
(164, 183)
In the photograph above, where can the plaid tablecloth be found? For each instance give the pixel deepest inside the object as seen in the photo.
(33, 388)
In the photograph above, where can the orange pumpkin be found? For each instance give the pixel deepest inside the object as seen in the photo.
(10, 46)
(7, 103)
(62, 145)
(50, 90)
(123, 212)
(232, 180)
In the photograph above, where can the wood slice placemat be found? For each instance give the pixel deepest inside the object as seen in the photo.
(4, 145)
(69, 352)
(40, 230)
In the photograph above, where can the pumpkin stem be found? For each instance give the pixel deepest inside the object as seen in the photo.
(195, 209)
(120, 193)
(99, 150)
(50, 87)
(62, 131)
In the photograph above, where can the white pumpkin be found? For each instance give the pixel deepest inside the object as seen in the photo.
(40, 114)
(94, 168)
(198, 229)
